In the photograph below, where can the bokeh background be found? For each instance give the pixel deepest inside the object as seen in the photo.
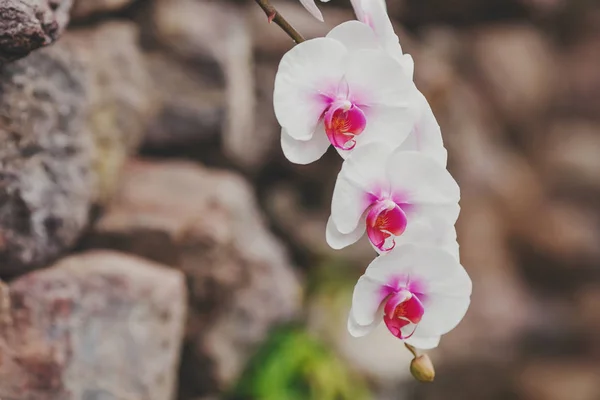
(155, 243)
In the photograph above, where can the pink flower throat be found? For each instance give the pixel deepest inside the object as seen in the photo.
(385, 221)
(402, 312)
(343, 121)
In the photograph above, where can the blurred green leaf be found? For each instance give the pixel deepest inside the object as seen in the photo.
(292, 365)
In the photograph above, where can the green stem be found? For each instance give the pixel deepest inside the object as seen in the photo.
(274, 16)
(411, 349)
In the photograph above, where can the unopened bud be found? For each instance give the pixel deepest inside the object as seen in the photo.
(422, 369)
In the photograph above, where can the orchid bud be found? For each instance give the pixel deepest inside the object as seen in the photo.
(422, 369)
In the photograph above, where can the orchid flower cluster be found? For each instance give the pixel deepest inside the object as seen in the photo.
(353, 89)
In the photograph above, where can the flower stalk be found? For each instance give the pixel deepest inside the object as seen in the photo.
(275, 16)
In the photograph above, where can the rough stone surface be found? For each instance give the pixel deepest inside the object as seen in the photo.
(99, 325)
(121, 95)
(86, 8)
(45, 158)
(26, 25)
(219, 34)
(68, 119)
(192, 106)
(206, 223)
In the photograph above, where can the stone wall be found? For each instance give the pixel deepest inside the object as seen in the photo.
(152, 234)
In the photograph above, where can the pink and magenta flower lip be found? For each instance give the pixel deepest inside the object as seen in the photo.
(385, 220)
(403, 309)
(343, 121)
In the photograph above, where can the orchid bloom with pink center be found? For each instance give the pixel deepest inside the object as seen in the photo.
(390, 193)
(313, 9)
(425, 134)
(334, 91)
(419, 292)
(374, 14)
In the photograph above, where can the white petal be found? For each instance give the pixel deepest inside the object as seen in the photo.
(312, 8)
(387, 267)
(445, 214)
(446, 284)
(442, 314)
(391, 125)
(366, 300)
(408, 64)
(304, 151)
(305, 73)
(348, 204)
(366, 167)
(375, 11)
(362, 173)
(430, 232)
(421, 179)
(375, 78)
(426, 136)
(358, 9)
(439, 270)
(423, 342)
(338, 240)
(358, 330)
(355, 36)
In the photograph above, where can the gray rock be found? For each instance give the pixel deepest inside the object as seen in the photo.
(26, 25)
(206, 222)
(120, 93)
(87, 8)
(68, 119)
(192, 106)
(46, 178)
(218, 34)
(100, 325)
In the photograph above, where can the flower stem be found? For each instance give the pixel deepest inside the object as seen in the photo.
(411, 349)
(274, 16)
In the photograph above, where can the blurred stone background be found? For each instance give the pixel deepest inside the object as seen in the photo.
(155, 244)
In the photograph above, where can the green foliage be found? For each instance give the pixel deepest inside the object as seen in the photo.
(332, 276)
(292, 365)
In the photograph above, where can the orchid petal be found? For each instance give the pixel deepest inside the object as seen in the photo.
(366, 168)
(306, 80)
(408, 65)
(427, 230)
(421, 179)
(426, 136)
(377, 79)
(337, 240)
(390, 125)
(367, 298)
(442, 314)
(313, 9)
(359, 183)
(374, 14)
(358, 330)
(348, 204)
(438, 270)
(304, 151)
(355, 36)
